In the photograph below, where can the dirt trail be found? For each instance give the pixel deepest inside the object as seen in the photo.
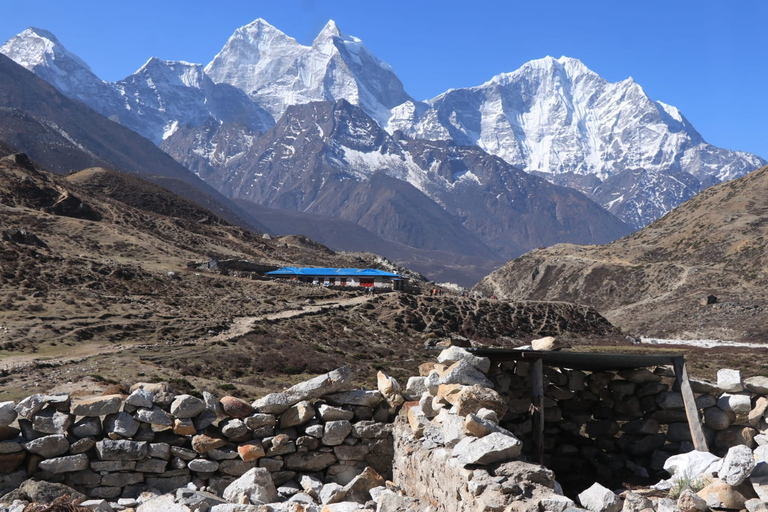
(244, 324)
(16, 363)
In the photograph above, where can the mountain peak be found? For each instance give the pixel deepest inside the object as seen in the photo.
(330, 30)
(38, 47)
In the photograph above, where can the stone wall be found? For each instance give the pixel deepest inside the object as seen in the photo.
(455, 438)
(115, 446)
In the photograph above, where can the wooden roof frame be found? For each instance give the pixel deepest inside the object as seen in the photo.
(592, 361)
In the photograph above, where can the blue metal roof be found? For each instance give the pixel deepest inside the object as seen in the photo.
(330, 272)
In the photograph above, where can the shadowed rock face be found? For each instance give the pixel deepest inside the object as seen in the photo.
(652, 282)
(333, 159)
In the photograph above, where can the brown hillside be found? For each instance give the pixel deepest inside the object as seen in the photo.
(95, 279)
(653, 281)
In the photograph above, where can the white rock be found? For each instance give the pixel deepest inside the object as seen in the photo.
(413, 389)
(737, 465)
(739, 404)
(599, 499)
(729, 380)
(487, 450)
(454, 354)
(256, 484)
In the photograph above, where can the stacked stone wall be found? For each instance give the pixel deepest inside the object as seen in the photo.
(115, 446)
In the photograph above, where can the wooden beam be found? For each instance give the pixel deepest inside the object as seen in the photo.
(536, 377)
(691, 411)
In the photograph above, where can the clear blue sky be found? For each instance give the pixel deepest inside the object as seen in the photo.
(708, 58)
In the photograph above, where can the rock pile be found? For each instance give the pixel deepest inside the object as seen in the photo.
(317, 443)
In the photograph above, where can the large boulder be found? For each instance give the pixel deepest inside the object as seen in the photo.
(256, 484)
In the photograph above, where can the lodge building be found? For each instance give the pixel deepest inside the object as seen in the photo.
(366, 277)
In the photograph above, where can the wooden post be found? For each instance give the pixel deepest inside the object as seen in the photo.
(536, 376)
(691, 411)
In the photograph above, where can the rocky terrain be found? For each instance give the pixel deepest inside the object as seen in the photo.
(106, 275)
(698, 272)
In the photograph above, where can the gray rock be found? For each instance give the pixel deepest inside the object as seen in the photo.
(297, 414)
(97, 406)
(203, 465)
(259, 420)
(86, 427)
(670, 400)
(48, 446)
(113, 465)
(557, 503)
(10, 447)
(311, 485)
(487, 450)
(599, 499)
(197, 500)
(464, 373)
(357, 397)
(256, 485)
(757, 385)
(330, 413)
(109, 449)
(186, 406)
(716, 418)
(140, 398)
(159, 450)
(30, 406)
(335, 432)
(152, 465)
(331, 493)
(233, 428)
(121, 424)
(415, 388)
(756, 505)
(309, 461)
(689, 501)
(729, 380)
(168, 484)
(204, 420)
(455, 354)
(236, 467)
(737, 465)
(274, 403)
(52, 421)
(121, 479)
(371, 430)
(224, 453)
(315, 430)
(738, 404)
(634, 502)
(97, 505)
(41, 491)
(154, 416)
(183, 453)
(760, 485)
(7, 413)
(65, 464)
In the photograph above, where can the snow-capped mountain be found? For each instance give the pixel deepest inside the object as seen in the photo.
(333, 159)
(276, 71)
(153, 102)
(557, 118)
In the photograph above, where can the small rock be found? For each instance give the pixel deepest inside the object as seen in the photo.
(599, 499)
(389, 389)
(256, 485)
(689, 501)
(737, 465)
(489, 449)
(235, 407)
(729, 380)
(187, 406)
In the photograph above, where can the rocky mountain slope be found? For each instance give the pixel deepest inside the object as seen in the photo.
(559, 118)
(333, 159)
(110, 269)
(656, 282)
(65, 135)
